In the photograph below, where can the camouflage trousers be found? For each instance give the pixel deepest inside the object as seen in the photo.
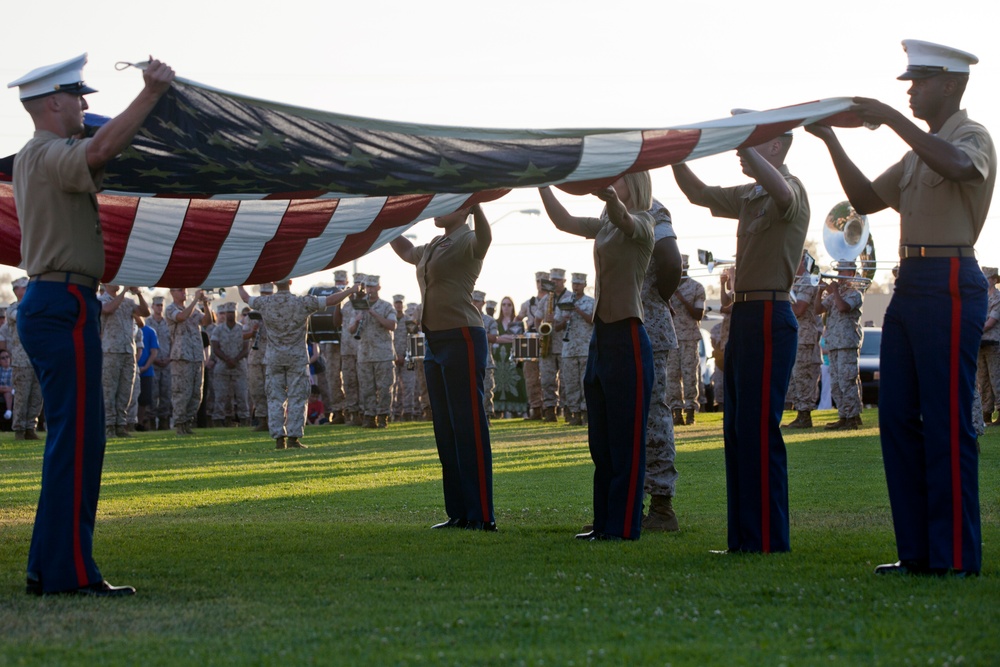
(533, 384)
(404, 392)
(988, 376)
(27, 399)
(718, 382)
(186, 384)
(803, 389)
(230, 393)
(287, 398)
(572, 372)
(349, 374)
(334, 383)
(661, 475)
(977, 413)
(845, 383)
(549, 376)
(683, 381)
(422, 400)
(118, 377)
(489, 384)
(161, 406)
(133, 401)
(375, 380)
(255, 389)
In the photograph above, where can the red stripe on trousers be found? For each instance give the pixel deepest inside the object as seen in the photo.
(476, 424)
(79, 432)
(765, 421)
(956, 472)
(633, 475)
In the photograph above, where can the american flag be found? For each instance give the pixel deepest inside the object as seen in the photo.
(221, 189)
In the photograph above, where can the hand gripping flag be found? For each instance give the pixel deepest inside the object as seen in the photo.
(222, 189)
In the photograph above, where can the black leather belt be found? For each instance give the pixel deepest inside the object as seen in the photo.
(66, 277)
(907, 251)
(761, 295)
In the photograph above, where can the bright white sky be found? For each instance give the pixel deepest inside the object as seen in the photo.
(531, 64)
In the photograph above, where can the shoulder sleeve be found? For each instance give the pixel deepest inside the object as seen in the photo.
(975, 141)
(722, 202)
(800, 202)
(886, 186)
(66, 163)
(591, 227)
(643, 231)
(418, 253)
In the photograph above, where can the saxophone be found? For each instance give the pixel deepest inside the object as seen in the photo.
(545, 328)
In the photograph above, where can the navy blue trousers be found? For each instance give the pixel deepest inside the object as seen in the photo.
(59, 326)
(455, 367)
(930, 342)
(759, 356)
(617, 385)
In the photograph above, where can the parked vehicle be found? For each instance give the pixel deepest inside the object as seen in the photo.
(868, 360)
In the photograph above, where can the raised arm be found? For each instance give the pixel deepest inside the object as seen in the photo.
(856, 185)
(116, 135)
(558, 214)
(403, 247)
(768, 177)
(484, 233)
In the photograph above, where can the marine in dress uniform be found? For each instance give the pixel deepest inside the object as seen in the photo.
(684, 367)
(455, 353)
(942, 189)
(773, 215)
(619, 375)
(56, 177)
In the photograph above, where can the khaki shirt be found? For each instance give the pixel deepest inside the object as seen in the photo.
(843, 330)
(686, 327)
(55, 196)
(286, 315)
(620, 264)
(447, 270)
(935, 211)
(117, 327)
(768, 244)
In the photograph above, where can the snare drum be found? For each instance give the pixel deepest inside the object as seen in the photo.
(415, 345)
(525, 348)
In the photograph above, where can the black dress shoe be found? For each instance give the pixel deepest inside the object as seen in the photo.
(452, 523)
(103, 589)
(604, 537)
(488, 526)
(903, 567)
(33, 587)
(586, 535)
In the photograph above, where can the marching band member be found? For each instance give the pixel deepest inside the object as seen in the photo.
(842, 303)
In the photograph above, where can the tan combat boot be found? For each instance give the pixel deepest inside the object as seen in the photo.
(689, 416)
(678, 417)
(29, 434)
(261, 425)
(294, 443)
(802, 420)
(661, 516)
(381, 421)
(837, 425)
(279, 442)
(549, 415)
(338, 417)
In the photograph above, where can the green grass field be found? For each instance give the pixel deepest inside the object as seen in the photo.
(246, 555)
